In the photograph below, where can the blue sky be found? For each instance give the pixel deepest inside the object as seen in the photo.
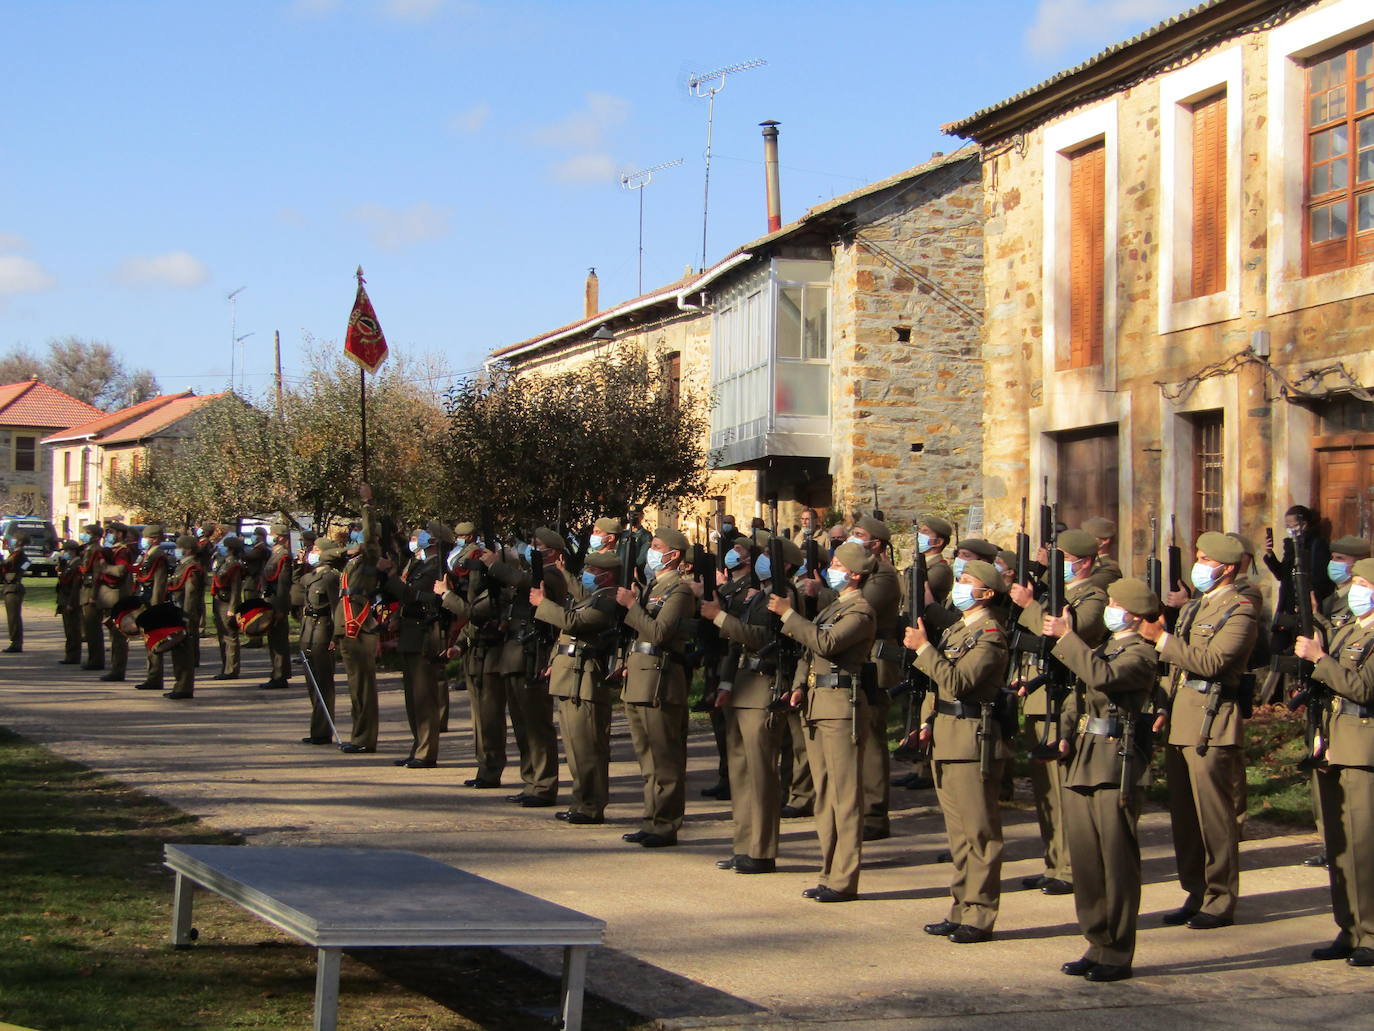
(155, 156)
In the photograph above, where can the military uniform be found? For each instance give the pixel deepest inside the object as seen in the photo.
(883, 592)
(150, 583)
(164, 631)
(486, 686)
(968, 669)
(1209, 652)
(91, 566)
(835, 714)
(355, 636)
(421, 646)
(69, 603)
(226, 594)
(12, 585)
(186, 587)
(276, 588)
(319, 592)
(116, 584)
(733, 595)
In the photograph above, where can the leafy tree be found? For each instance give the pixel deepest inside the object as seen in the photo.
(88, 370)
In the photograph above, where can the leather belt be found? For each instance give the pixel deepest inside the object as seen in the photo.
(1228, 694)
(317, 613)
(753, 664)
(1345, 707)
(645, 648)
(962, 710)
(832, 680)
(1101, 726)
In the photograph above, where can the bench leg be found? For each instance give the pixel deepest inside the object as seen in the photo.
(327, 989)
(574, 981)
(181, 911)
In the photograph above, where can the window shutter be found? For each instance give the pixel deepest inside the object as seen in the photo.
(1209, 197)
(1087, 255)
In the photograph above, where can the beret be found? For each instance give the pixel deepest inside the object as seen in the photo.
(1099, 527)
(1351, 545)
(855, 558)
(1134, 596)
(609, 524)
(875, 528)
(940, 527)
(71, 545)
(438, 530)
(673, 538)
(1008, 558)
(986, 574)
(1365, 568)
(152, 530)
(603, 560)
(186, 541)
(279, 528)
(91, 528)
(328, 549)
(464, 529)
(759, 537)
(1245, 543)
(1079, 543)
(792, 554)
(1220, 548)
(983, 549)
(550, 539)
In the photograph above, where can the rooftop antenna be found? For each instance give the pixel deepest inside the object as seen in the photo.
(707, 86)
(243, 365)
(233, 329)
(637, 181)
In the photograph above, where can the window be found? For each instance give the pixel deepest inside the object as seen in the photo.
(1207, 472)
(136, 462)
(1340, 158)
(1087, 254)
(672, 377)
(25, 454)
(66, 468)
(114, 468)
(802, 386)
(1208, 273)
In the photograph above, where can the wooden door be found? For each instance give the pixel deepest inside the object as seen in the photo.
(1087, 482)
(1344, 478)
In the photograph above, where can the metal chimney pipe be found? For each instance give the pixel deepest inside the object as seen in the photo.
(592, 303)
(770, 174)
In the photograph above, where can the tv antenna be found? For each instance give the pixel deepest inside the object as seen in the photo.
(233, 329)
(637, 181)
(707, 86)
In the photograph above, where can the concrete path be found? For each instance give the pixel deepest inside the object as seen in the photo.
(689, 945)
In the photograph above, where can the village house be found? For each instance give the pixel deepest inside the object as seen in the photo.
(842, 351)
(1180, 277)
(30, 411)
(85, 457)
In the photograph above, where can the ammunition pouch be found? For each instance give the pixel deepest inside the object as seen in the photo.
(1345, 707)
(959, 710)
(838, 680)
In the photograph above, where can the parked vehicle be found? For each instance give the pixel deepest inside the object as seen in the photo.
(40, 542)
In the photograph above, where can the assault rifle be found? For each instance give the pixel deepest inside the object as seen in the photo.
(1175, 556)
(915, 684)
(813, 570)
(1051, 675)
(782, 676)
(1310, 694)
(1023, 552)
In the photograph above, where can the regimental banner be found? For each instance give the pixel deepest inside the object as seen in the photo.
(365, 343)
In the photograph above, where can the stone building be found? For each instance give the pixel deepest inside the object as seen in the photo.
(86, 456)
(29, 411)
(1180, 276)
(842, 351)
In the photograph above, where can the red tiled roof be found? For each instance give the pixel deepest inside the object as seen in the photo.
(34, 403)
(153, 422)
(136, 422)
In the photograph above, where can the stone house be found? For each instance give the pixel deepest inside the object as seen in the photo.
(841, 350)
(1180, 277)
(30, 411)
(86, 456)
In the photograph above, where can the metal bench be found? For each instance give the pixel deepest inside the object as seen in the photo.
(342, 898)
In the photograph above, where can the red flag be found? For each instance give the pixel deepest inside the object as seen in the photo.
(365, 343)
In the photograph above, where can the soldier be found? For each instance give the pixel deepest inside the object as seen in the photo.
(586, 625)
(150, 581)
(1086, 602)
(655, 691)
(1346, 774)
(1105, 569)
(69, 601)
(828, 682)
(226, 594)
(1208, 651)
(468, 597)
(422, 641)
(735, 582)
(163, 629)
(256, 551)
(963, 732)
(1103, 723)
(355, 630)
(186, 587)
(13, 562)
(319, 592)
(756, 678)
(91, 566)
(116, 583)
(276, 588)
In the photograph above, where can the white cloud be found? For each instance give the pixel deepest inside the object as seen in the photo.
(585, 168)
(1064, 25)
(175, 269)
(396, 228)
(13, 242)
(470, 120)
(23, 275)
(586, 128)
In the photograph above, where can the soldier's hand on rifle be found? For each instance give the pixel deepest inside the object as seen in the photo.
(624, 597)
(1063, 748)
(536, 596)
(722, 578)
(925, 735)
(1309, 648)
(1161, 721)
(487, 558)
(1176, 598)
(779, 604)
(1021, 595)
(697, 588)
(1042, 555)
(811, 587)
(710, 609)
(1152, 629)
(794, 700)
(440, 587)
(915, 636)
(384, 564)
(1058, 626)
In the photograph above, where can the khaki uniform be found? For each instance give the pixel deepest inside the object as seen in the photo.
(655, 697)
(421, 646)
(1087, 601)
(116, 581)
(968, 669)
(150, 580)
(1346, 781)
(486, 686)
(883, 592)
(12, 586)
(1211, 645)
(319, 600)
(69, 607)
(733, 596)
(835, 715)
(186, 587)
(276, 588)
(1116, 679)
(577, 679)
(91, 566)
(226, 592)
(1105, 570)
(355, 634)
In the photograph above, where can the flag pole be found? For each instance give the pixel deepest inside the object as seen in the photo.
(362, 395)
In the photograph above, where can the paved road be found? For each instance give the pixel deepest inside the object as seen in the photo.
(690, 945)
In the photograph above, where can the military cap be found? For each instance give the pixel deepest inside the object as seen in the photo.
(939, 526)
(232, 541)
(603, 560)
(1099, 527)
(92, 528)
(186, 542)
(328, 549)
(464, 529)
(153, 530)
(1008, 558)
(791, 554)
(1245, 542)
(1350, 545)
(71, 545)
(551, 539)
(439, 531)
(875, 528)
(1220, 548)
(1134, 596)
(673, 538)
(1365, 568)
(983, 549)
(1079, 543)
(856, 558)
(610, 524)
(309, 535)
(279, 529)
(986, 574)
(759, 537)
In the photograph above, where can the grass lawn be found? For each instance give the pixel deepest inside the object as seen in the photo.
(85, 908)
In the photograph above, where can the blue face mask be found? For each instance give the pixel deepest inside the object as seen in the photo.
(727, 527)
(84, 538)
(763, 568)
(525, 551)
(836, 578)
(595, 541)
(923, 542)
(312, 559)
(959, 564)
(1115, 618)
(1361, 600)
(803, 570)
(355, 536)
(221, 550)
(732, 559)
(1338, 571)
(653, 561)
(1068, 570)
(851, 539)
(109, 540)
(1204, 576)
(588, 580)
(178, 554)
(962, 596)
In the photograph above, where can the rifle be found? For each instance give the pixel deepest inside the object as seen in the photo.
(1154, 572)
(1052, 675)
(1023, 573)
(1127, 753)
(1175, 556)
(813, 562)
(782, 676)
(319, 697)
(988, 735)
(914, 683)
(1310, 694)
(1047, 533)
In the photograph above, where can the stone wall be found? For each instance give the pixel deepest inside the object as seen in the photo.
(21, 492)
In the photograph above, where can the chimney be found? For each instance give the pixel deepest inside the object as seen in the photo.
(770, 174)
(593, 301)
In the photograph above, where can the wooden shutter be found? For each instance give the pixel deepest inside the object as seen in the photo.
(1087, 255)
(1209, 197)
(1087, 484)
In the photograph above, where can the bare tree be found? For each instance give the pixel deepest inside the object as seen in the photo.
(88, 370)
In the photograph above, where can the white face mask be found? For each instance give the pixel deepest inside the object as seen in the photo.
(1115, 618)
(1361, 600)
(962, 596)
